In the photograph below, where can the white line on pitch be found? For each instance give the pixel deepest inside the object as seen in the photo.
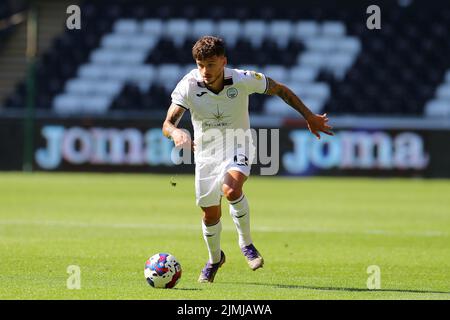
(51, 223)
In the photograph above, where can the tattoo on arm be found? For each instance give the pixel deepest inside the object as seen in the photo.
(174, 115)
(275, 88)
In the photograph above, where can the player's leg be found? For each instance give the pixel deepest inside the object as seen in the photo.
(232, 189)
(240, 212)
(212, 227)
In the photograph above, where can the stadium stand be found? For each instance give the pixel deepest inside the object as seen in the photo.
(130, 57)
(9, 18)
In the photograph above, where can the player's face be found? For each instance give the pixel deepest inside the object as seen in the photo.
(211, 69)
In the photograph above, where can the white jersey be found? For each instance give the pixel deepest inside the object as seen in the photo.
(226, 110)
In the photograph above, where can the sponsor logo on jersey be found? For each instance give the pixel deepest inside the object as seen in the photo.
(256, 75)
(241, 160)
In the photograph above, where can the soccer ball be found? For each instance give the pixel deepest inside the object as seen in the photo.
(162, 270)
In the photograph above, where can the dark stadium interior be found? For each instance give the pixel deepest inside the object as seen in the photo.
(395, 73)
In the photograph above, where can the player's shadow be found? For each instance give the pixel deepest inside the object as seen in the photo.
(288, 286)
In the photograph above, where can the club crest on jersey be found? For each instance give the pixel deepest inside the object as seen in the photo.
(232, 93)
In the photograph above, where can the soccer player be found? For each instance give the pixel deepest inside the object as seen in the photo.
(217, 98)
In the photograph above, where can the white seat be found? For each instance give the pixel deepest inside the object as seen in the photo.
(152, 27)
(115, 41)
(95, 104)
(255, 31)
(447, 76)
(106, 56)
(313, 91)
(321, 44)
(229, 30)
(126, 26)
(141, 42)
(443, 91)
(66, 103)
(348, 44)
(80, 86)
(298, 88)
(306, 29)
(333, 29)
(312, 59)
(143, 73)
(108, 88)
(143, 76)
(339, 63)
(317, 90)
(276, 72)
(314, 104)
(90, 71)
(437, 108)
(103, 56)
(130, 57)
(302, 74)
(177, 30)
(280, 31)
(169, 75)
(120, 72)
(203, 27)
(276, 106)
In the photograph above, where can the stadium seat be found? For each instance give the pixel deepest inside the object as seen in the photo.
(277, 72)
(230, 31)
(203, 27)
(305, 30)
(447, 76)
(301, 74)
(169, 75)
(437, 109)
(348, 44)
(126, 26)
(443, 91)
(152, 27)
(177, 30)
(321, 44)
(120, 72)
(312, 59)
(91, 71)
(254, 31)
(80, 87)
(333, 29)
(281, 32)
(145, 49)
(274, 106)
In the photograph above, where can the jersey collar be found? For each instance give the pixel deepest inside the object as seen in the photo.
(227, 80)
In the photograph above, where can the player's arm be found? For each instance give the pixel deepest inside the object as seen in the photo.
(170, 126)
(316, 123)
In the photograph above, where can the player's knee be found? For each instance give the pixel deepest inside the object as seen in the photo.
(231, 193)
(211, 219)
(211, 216)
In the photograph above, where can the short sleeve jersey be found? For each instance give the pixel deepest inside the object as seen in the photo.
(226, 110)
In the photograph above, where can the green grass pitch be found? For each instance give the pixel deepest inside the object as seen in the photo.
(318, 237)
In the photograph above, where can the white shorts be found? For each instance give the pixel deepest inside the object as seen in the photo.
(209, 178)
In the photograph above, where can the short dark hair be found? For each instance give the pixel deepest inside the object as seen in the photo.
(207, 47)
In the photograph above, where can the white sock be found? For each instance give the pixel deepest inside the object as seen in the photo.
(211, 234)
(240, 213)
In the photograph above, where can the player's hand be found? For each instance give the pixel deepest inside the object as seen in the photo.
(318, 123)
(181, 139)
